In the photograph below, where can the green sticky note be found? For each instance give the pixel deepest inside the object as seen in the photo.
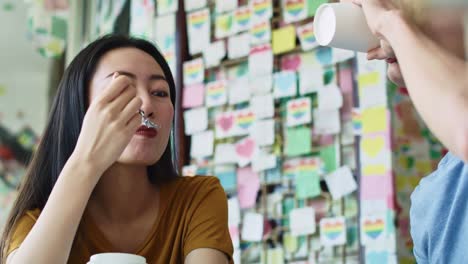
(59, 27)
(313, 5)
(298, 141)
(288, 205)
(329, 156)
(8, 6)
(307, 185)
(2, 90)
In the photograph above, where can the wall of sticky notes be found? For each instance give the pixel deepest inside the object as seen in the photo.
(280, 122)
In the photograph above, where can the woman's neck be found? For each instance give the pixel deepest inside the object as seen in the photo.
(123, 193)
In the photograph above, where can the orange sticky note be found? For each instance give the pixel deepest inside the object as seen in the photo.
(284, 39)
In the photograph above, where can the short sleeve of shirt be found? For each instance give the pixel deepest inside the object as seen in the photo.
(208, 226)
(21, 229)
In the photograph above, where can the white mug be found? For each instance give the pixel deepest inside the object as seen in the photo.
(344, 26)
(116, 258)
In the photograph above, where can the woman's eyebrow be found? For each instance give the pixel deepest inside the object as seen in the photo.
(153, 77)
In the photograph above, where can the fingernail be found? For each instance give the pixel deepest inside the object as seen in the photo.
(391, 60)
(115, 75)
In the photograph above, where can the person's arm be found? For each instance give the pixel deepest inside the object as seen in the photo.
(51, 238)
(436, 80)
(109, 124)
(206, 256)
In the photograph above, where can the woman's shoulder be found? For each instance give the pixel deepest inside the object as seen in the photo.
(192, 182)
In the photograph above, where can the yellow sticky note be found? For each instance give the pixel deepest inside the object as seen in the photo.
(377, 169)
(368, 79)
(373, 146)
(375, 120)
(413, 181)
(290, 243)
(283, 39)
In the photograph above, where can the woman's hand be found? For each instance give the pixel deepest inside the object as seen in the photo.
(109, 124)
(377, 13)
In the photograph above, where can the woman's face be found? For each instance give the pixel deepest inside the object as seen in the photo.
(152, 88)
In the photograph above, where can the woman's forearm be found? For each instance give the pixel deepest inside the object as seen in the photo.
(51, 238)
(437, 82)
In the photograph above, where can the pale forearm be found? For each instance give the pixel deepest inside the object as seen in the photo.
(436, 80)
(51, 238)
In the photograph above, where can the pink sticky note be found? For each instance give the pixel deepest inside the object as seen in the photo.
(378, 188)
(346, 84)
(193, 96)
(248, 184)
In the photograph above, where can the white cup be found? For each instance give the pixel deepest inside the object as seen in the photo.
(116, 258)
(344, 26)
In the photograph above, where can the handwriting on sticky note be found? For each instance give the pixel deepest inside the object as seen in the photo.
(302, 221)
(298, 141)
(283, 39)
(248, 184)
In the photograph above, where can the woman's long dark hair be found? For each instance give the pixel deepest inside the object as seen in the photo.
(64, 125)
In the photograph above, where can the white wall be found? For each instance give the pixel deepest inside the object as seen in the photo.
(23, 72)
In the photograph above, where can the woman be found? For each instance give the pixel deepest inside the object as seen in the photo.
(426, 53)
(102, 182)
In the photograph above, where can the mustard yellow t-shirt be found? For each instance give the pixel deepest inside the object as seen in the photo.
(193, 214)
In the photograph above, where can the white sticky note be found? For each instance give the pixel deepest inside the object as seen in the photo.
(190, 5)
(239, 91)
(238, 46)
(225, 154)
(299, 112)
(261, 61)
(194, 71)
(202, 144)
(260, 33)
(341, 182)
(261, 84)
(310, 79)
(302, 221)
(242, 19)
(225, 5)
(327, 122)
(262, 10)
(340, 55)
(252, 228)
(330, 97)
(234, 212)
(216, 93)
(307, 37)
(373, 229)
(214, 53)
(285, 84)
(263, 132)
(198, 30)
(263, 106)
(263, 161)
(333, 231)
(196, 120)
(294, 10)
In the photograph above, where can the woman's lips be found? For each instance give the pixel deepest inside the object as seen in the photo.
(391, 60)
(147, 132)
